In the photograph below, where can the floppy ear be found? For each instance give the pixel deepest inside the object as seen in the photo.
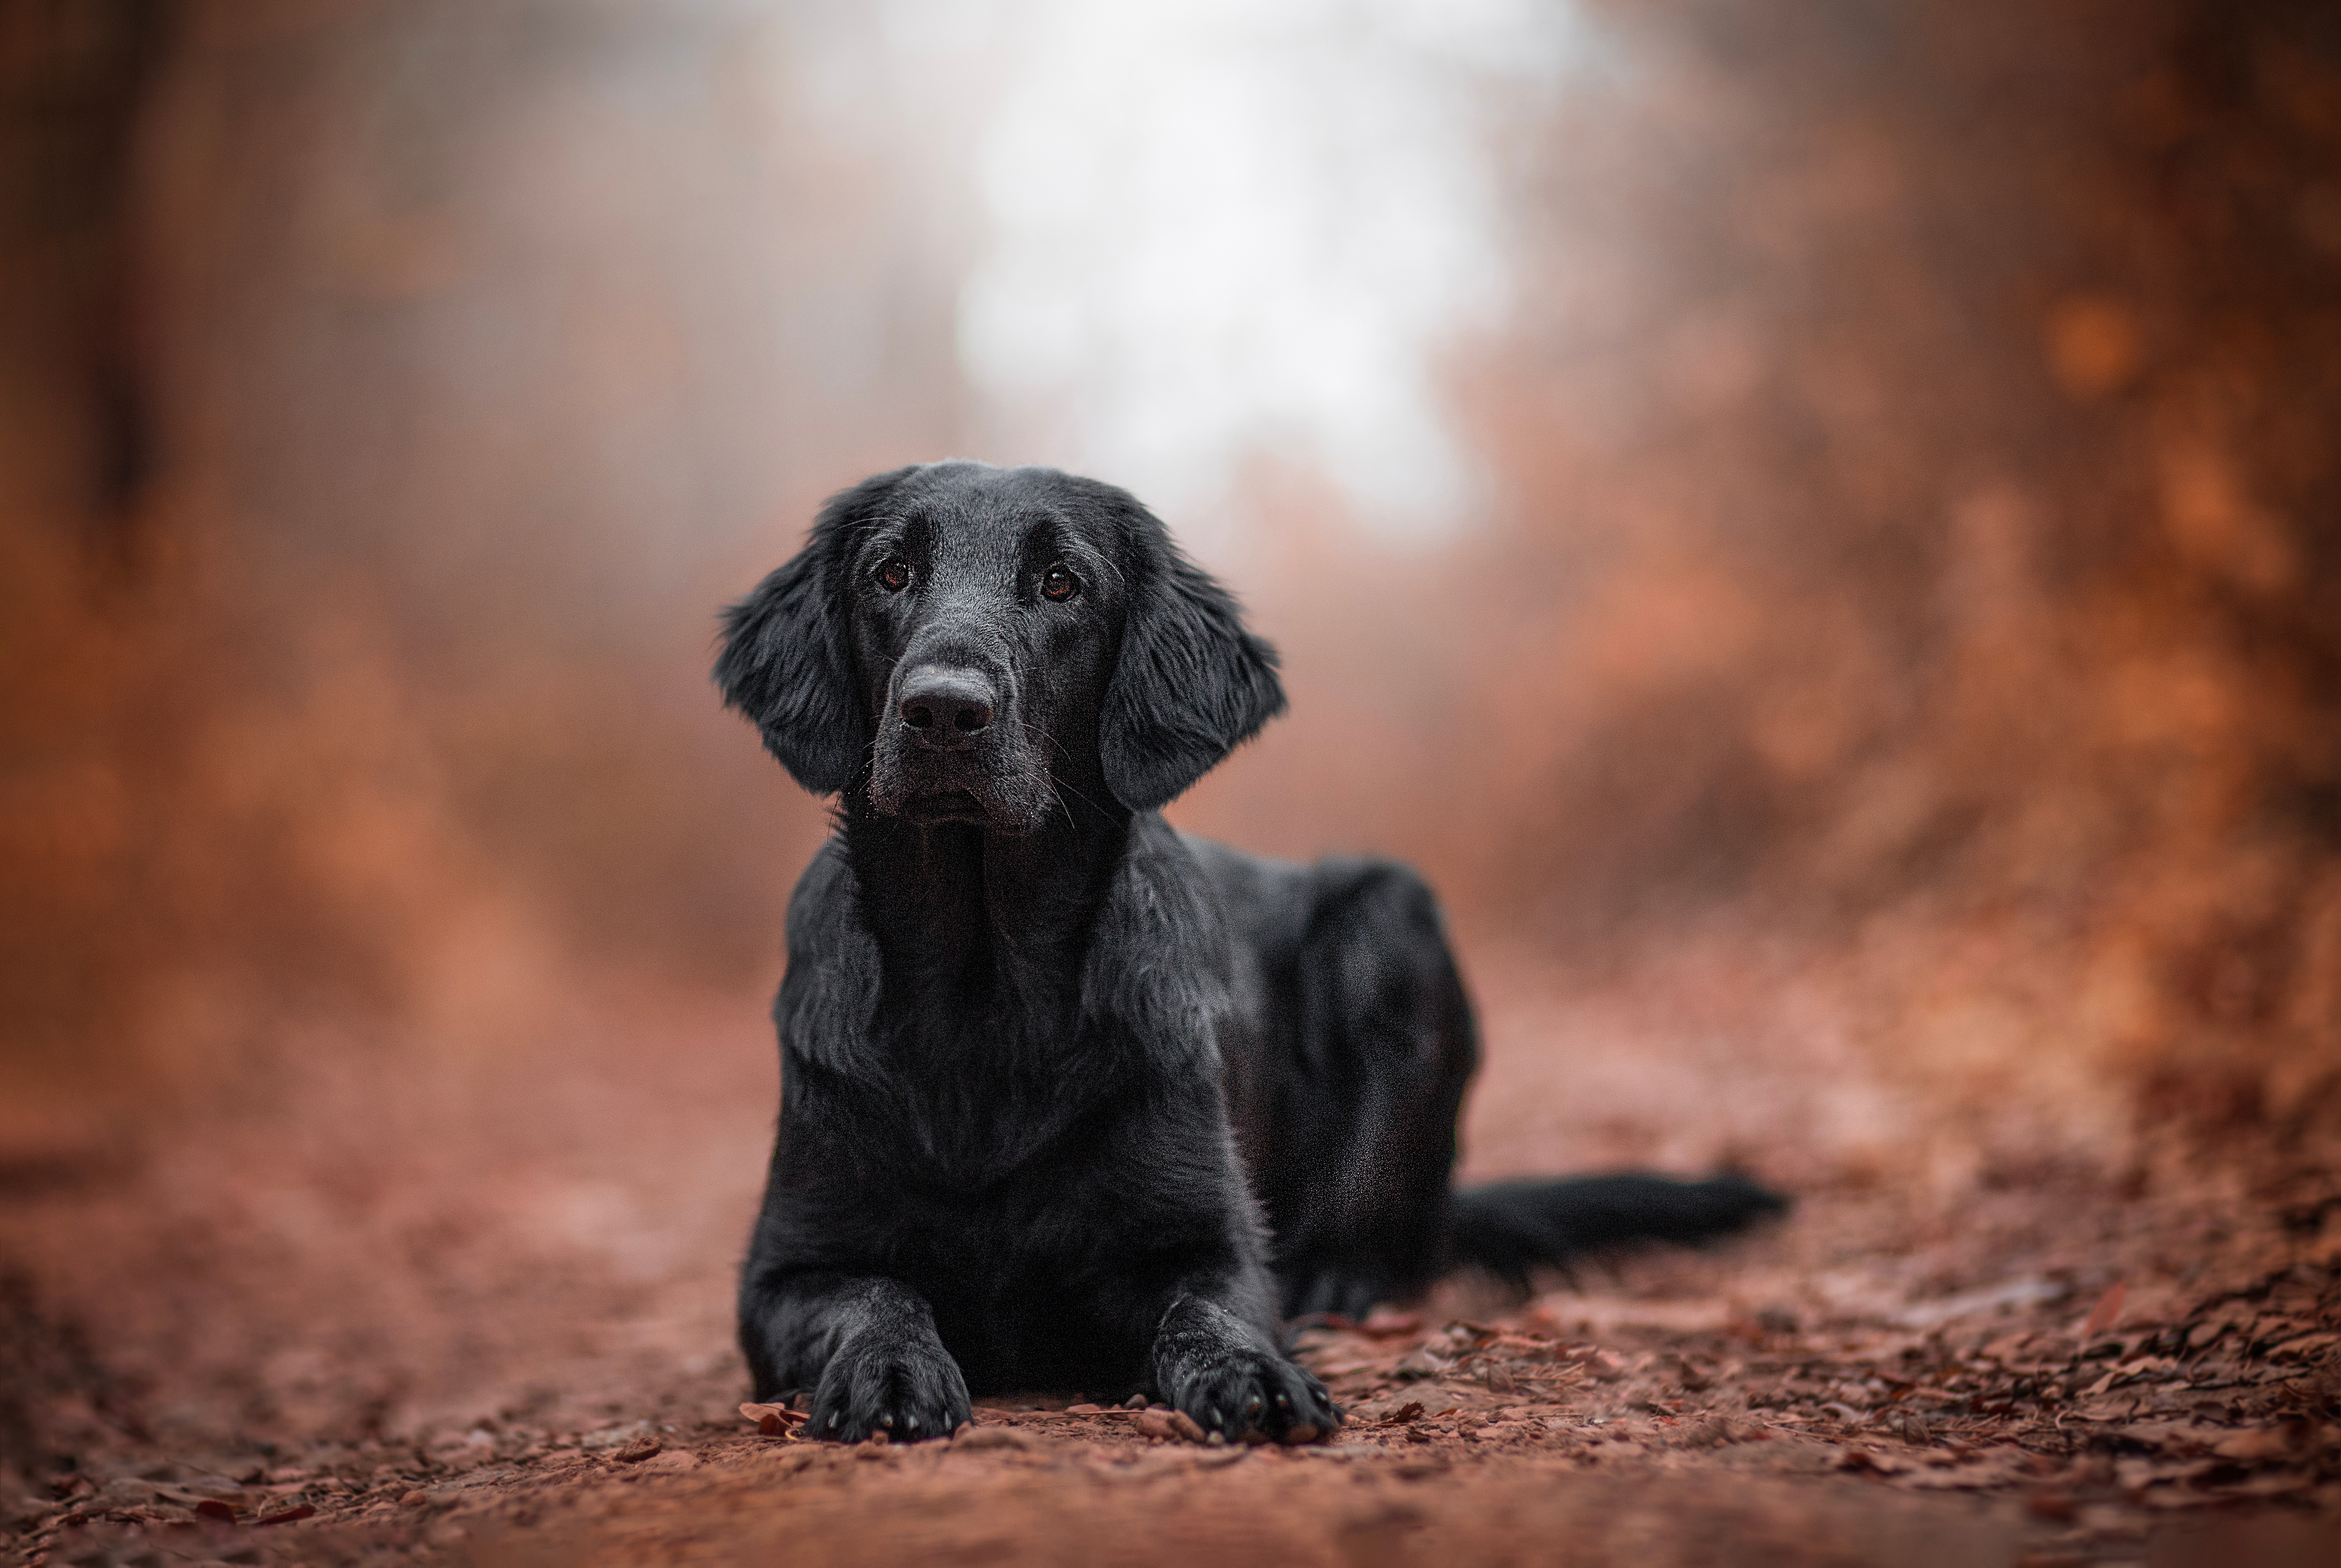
(1191, 684)
(785, 661)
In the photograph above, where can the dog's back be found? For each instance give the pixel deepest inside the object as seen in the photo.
(1346, 1065)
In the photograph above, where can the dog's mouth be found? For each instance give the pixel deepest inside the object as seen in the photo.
(945, 805)
(925, 787)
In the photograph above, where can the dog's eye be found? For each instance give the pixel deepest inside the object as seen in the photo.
(1058, 583)
(893, 574)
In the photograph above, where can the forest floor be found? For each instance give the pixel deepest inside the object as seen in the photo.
(481, 1319)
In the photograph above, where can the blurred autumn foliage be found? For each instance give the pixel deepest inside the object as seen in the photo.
(1919, 542)
(1909, 554)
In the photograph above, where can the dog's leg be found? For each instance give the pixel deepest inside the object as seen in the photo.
(867, 1346)
(1373, 1074)
(1226, 1374)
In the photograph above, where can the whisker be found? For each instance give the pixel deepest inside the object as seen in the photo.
(1057, 786)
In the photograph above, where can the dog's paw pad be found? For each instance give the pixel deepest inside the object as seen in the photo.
(1256, 1394)
(905, 1392)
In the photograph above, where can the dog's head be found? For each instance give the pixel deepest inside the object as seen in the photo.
(967, 642)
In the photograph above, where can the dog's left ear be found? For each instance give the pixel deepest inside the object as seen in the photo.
(1191, 685)
(785, 661)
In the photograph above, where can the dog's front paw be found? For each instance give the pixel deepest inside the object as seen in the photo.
(877, 1382)
(1241, 1390)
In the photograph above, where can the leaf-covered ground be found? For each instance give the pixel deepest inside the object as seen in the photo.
(493, 1330)
(1982, 1399)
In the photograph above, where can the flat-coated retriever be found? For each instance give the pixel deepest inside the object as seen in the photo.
(1069, 1099)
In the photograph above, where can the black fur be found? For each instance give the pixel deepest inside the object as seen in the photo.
(1052, 1074)
(1512, 1228)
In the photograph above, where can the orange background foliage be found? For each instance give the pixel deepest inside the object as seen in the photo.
(1895, 639)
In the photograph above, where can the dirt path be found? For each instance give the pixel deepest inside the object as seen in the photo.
(494, 1329)
(1741, 1407)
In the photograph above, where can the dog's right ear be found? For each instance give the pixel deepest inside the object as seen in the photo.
(786, 663)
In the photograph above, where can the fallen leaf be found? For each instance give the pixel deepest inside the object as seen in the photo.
(980, 1437)
(1709, 1433)
(774, 1420)
(2107, 1311)
(1333, 1368)
(1605, 1366)
(288, 1516)
(2257, 1443)
(1384, 1324)
(214, 1508)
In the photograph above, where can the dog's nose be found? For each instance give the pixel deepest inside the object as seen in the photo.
(946, 706)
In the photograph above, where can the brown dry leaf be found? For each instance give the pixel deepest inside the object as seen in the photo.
(2261, 1443)
(774, 1420)
(1333, 1368)
(1603, 1365)
(1861, 1458)
(1712, 1432)
(1384, 1324)
(2107, 1311)
(974, 1437)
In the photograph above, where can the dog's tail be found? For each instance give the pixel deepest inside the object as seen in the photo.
(1512, 1228)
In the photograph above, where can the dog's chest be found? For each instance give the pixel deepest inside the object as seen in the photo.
(967, 1107)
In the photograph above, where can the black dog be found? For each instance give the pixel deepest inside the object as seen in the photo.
(1070, 1100)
